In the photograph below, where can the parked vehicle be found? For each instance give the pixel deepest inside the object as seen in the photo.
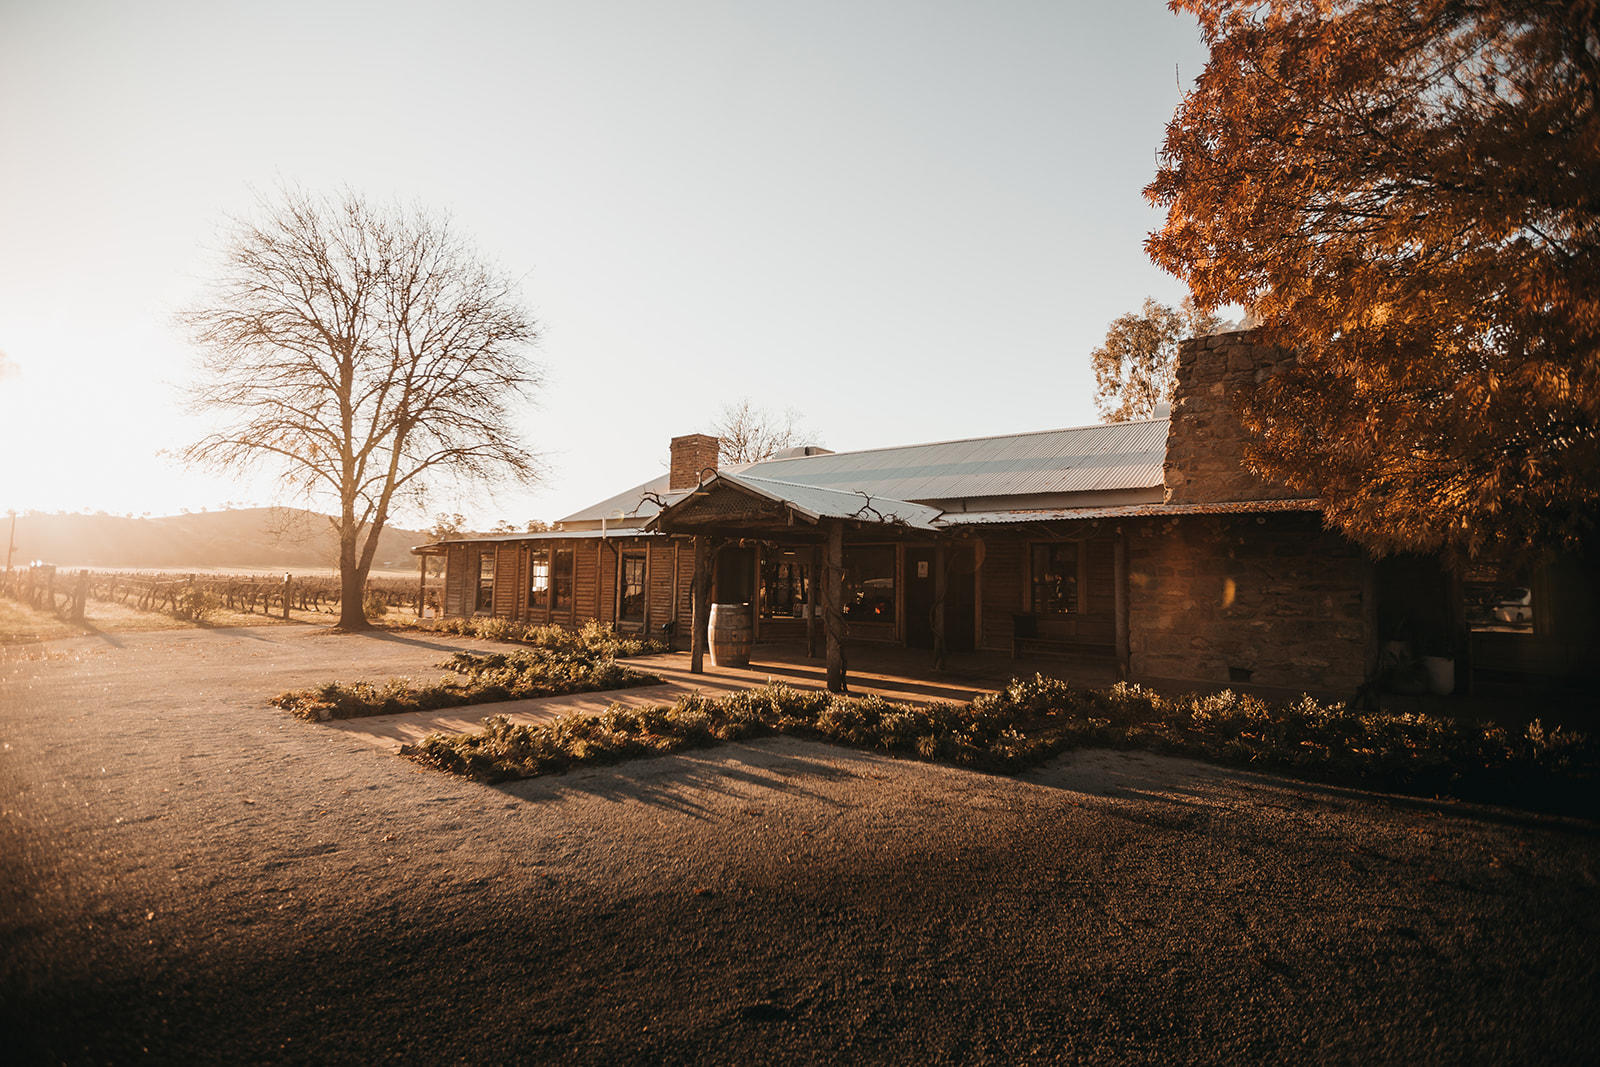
(1516, 608)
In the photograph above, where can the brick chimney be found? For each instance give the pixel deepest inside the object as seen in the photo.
(691, 454)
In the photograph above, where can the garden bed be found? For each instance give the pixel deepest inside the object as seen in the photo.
(519, 675)
(1030, 721)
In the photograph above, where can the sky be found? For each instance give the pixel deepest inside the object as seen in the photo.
(907, 221)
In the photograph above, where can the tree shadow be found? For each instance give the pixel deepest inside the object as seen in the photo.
(390, 637)
(676, 782)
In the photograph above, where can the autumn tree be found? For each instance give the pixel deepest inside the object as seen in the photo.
(748, 434)
(361, 353)
(1404, 194)
(1134, 369)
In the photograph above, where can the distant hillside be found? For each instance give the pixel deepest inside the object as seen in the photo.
(248, 538)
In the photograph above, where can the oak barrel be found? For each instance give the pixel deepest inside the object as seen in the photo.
(730, 635)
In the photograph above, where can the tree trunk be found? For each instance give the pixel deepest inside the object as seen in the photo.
(352, 584)
(833, 608)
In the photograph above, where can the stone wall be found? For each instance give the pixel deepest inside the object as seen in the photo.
(1205, 440)
(1272, 600)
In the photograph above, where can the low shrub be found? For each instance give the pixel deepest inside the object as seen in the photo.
(196, 604)
(375, 606)
(1031, 720)
(593, 639)
(519, 675)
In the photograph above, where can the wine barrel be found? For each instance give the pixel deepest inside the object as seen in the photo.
(730, 635)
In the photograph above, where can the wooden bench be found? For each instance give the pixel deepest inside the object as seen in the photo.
(1025, 637)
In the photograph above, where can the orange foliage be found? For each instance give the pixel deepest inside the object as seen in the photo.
(1404, 193)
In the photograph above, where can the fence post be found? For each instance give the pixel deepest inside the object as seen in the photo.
(285, 596)
(80, 595)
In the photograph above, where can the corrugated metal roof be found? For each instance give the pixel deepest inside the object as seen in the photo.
(548, 535)
(1124, 511)
(818, 503)
(1118, 455)
(1112, 456)
(631, 503)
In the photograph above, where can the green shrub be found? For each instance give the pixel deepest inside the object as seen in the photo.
(375, 606)
(593, 639)
(489, 678)
(1030, 720)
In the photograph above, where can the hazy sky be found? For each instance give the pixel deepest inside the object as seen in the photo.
(908, 221)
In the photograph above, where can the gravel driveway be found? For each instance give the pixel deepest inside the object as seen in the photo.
(191, 874)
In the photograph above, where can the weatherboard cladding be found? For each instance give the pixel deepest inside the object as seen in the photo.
(1117, 455)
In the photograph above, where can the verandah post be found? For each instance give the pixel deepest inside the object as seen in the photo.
(811, 601)
(701, 590)
(1119, 586)
(833, 608)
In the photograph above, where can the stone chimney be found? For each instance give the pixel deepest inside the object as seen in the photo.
(691, 454)
(1205, 440)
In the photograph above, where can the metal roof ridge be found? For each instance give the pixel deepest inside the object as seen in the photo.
(965, 440)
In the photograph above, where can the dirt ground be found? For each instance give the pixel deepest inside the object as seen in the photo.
(188, 873)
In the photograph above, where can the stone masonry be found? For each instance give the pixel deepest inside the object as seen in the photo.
(1205, 443)
(1267, 599)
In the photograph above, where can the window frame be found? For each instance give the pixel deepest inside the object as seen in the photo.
(790, 573)
(1072, 568)
(539, 567)
(483, 599)
(563, 579)
(626, 559)
(851, 589)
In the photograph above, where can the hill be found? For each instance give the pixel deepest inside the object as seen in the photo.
(245, 539)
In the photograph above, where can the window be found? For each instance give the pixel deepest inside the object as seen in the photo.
(869, 583)
(1053, 574)
(561, 580)
(485, 582)
(631, 606)
(539, 578)
(785, 586)
(1498, 601)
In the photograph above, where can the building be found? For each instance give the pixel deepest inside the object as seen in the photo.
(1146, 545)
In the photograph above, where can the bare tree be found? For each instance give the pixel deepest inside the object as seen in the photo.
(748, 434)
(1136, 367)
(360, 352)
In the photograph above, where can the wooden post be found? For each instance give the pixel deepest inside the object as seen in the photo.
(286, 593)
(833, 609)
(1119, 586)
(941, 585)
(811, 601)
(701, 590)
(422, 585)
(80, 593)
(677, 570)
